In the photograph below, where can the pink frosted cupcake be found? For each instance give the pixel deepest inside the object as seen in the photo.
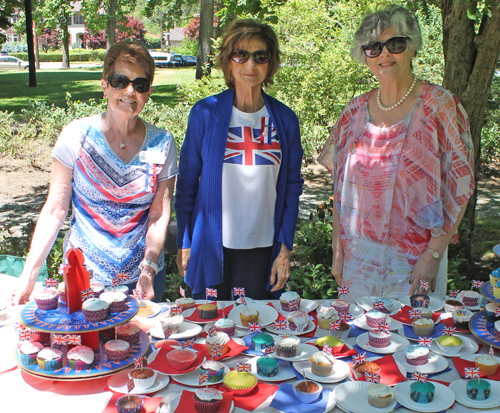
(342, 306)
(207, 400)
(374, 318)
(129, 333)
(116, 350)
(28, 351)
(377, 338)
(117, 301)
(298, 321)
(95, 309)
(46, 299)
(80, 357)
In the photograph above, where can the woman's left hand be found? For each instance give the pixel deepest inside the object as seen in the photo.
(425, 269)
(145, 285)
(281, 268)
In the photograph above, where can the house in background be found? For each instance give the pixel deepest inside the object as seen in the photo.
(10, 34)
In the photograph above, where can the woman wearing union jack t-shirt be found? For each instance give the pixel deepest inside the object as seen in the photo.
(239, 175)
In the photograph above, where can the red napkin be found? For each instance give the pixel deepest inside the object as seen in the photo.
(315, 320)
(389, 371)
(150, 405)
(186, 403)
(160, 362)
(253, 399)
(143, 327)
(345, 351)
(448, 322)
(233, 349)
(403, 315)
(461, 364)
(196, 318)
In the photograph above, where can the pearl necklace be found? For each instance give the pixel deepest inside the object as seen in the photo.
(387, 108)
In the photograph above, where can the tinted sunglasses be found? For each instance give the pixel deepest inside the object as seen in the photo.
(241, 56)
(141, 84)
(395, 45)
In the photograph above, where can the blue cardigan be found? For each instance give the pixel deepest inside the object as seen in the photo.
(198, 199)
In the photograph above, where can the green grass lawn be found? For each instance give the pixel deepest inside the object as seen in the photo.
(82, 84)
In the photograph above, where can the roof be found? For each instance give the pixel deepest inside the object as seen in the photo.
(177, 34)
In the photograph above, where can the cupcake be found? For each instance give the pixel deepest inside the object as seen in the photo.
(343, 333)
(496, 290)
(267, 366)
(326, 315)
(423, 327)
(461, 319)
(143, 377)
(417, 355)
(61, 290)
(451, 305)
(285, 299)
(496, 326)
(207, 311)
(490, 309)
(261, 342)
(95, 309)
(387, 305)
(495, 277)
(240, 383)
(117, 301)
(225, 325)
(470, 298)
(116, 350)
(49, 359)
(46, 299)
(422, 392)
(298, 321)
(322, 364)
(488, 365)
(129, 404)
(129, 333)
(172, 321)
(185, 303)
(207, 400)
(286, 346)
(379, 395)
(145, 308)
(219, 339)
(359, 370)
(40, 336)
(97, 288)
(117, 289)
(307, 391)
(450, 344)
(80, 357)
(374, 318)
(419, 300)
(335, 343)
(341, 306)
(28, 351)
(214, 369)
(378, 339)
(478, 389)
(249, 315)
(181, 359)
(426, 313)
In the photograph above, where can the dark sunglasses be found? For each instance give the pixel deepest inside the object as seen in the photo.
(395, 45)
(141, 84)
(241, 56)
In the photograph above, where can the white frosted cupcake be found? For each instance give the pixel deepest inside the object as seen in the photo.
(286, 346)
(173, 321)
(374, 318)
(95, 309)
(226, 325)
(117, 301)
(322, 364)
(379, 395)
(285, 299)
(423, 327)
(28, 351)
(80, 357)
(326, 315)
(298, 321)
(46, 299)
(219, 339)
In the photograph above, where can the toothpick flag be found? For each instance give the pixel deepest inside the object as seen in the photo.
(254, 327)
(425, 341)
(359, 359)
(239, 291)
(419, 377)
(342, 291)
(243, 367)
(472, 372)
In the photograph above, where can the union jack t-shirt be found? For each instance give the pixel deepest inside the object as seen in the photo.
(249, 175)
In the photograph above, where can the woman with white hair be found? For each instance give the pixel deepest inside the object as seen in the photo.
(401, 158)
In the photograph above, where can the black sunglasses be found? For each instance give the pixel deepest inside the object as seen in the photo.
(241, 56)
(141, 84)
(395, 45)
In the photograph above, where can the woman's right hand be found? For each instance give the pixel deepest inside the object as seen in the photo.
(182, 260)
(21, 294)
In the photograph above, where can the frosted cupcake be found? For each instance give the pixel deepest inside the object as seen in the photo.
(61, 290)
(478, 389)
(185, 303)
(378, 339)
(470, 298)
(116, 350)
(249, 315)
(298, 321)
(422, 392)
(450, 344)
(285, 299)
(326, 315)
(225, 325)
(496, 290)
(461, 319)
(387, 304)
(488, 365)
(240, 383)
(451, 305)
(322, 364)
(97, 288)
(95, 309)
(28, 351)
(215, 340)
(117, 301)
(129, 333)
(342, 306)
(207, 400)
(80, 357)
(172, 321)
(374, 318)
(286, 346)
(423, 327)
(417, 355)
(261, 341)
(49, 359)
(495, 277)
(379, 395)
(267, 366)
(46, 299)
(214, 369)
(490, 310)
(117, 289)
(145, 308)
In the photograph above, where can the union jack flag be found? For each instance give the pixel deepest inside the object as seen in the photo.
(472, 372)
(345, 317)
(378, 305)
(211, 292)
(188, 343)
(19, 327)
(424, 284)
(453, 293)
(334, 326)
(25, 335)
(342, 291)
(115, 282)
(168, 332)
(182, 291)
(138, 362)
(175, 310)
(130, 385)
(59, 339)
(425, 341)
(122, 277)
(254, 327)
(491, 351)
(138, 294)
(449, 331)
(87, 294)
(253, 146)
(359, 359)
(415, 313)
(477, 284)
(327, 349)
(384, 326)
(239, 291)
(118, 330)
(223, 313)
(419, 377)
(243, 301)
(73, 339)
(426, 302)
(293, 304)
(269, 350)
(372, 377)
(51, 282)
(243, 367)
(280, 325)
(216, 352)
(203, 378)
(212, 330)
(497, 311)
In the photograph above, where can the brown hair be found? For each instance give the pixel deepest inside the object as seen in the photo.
(246, 29)
(130, 52)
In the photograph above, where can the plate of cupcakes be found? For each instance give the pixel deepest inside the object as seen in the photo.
(425, 397)
(254, 313)
(478, 394)
(382, 343)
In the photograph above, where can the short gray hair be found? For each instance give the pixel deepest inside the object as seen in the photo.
(402, 20)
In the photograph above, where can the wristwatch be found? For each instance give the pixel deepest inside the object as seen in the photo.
(151, 264)
(435, 254)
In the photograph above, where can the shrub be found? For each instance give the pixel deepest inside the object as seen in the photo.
(81, 55)
(152, 42)
(15, 47)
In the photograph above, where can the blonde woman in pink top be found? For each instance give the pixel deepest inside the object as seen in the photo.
(401, 159)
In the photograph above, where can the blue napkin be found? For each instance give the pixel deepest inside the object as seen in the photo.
(431, 374)
(437, 332)
(356, 331)
(162, 310)
(361, 351)
(285, 401)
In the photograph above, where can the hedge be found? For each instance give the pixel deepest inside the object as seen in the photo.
(84, 56)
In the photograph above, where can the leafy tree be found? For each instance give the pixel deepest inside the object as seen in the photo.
(49, 39)
(6, 9)
(133, 29)
(192, 31)
(97, 41)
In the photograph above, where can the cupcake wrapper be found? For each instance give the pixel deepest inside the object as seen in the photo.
(286, 351)
(378, 341)
(211, 347)
(422, 331)
(94, 316)
(128, 410)
(176, 327)
(207, 407)
(292, 326)
(117, 306)
(207, 315)
(306, 397)
(359, 376)
(180, 365)
(79, 365)
(379, 402)
(450, 349)
(119, 355)
(48, 304)
(130, 338)
(470, 301)
(228, 330)
(50, 365)
(27, 359)
(341, 309)
(374, 322)
(143, 384)
(342, 334)
(496, 291)
(324, 324)
(285, 306)
(322, 371)
(487, 370)
(240, 392)
(418, 361)
(267, 371)
(259, 347)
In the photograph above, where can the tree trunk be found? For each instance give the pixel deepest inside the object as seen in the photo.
(111, 27)
(65, 43)
(36, 46)
(470, 61)
(206, 34)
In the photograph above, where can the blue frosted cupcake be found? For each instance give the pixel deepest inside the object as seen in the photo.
(478, 390)
(267, 366)
(495, 277)
(261, 342)
(49, 359)
(422, 392)
(215, 370)
(28, 351)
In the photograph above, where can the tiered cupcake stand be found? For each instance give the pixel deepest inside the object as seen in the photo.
(59, 321)
(481, 328)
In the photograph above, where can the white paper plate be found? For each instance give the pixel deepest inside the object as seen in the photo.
(189, 312)
(118, 383)
(237, 340)
(367, 304)
(340, 371)
(470, 347)
(187, 330)
(361, 323)
(267, 314)
(459, 387)
(435, 363)
(310, 327)
(192, 379)
(285, 371)
(401, 367)
(304, 352)
(156, 310)
(174, 403)
(239, 332)
(435, 304)
(401, 332)
(344, 393)
(8, 340)
(397, 344)
(354, 309)
(472, 357)
(444, 398)
(305, 305)
(153, 355)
